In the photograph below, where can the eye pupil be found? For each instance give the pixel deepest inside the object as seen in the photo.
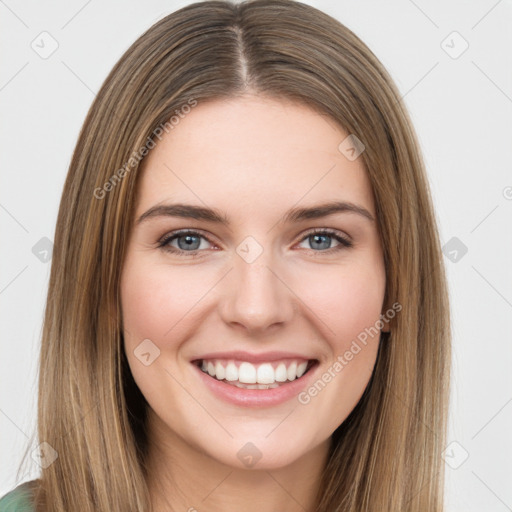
(317, 239)
(189, 241)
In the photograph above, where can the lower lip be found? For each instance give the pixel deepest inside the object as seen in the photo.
(256, 397)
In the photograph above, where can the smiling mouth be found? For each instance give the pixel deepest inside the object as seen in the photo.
(245, 375)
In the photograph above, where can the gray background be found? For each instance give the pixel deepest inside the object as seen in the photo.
(460, 104)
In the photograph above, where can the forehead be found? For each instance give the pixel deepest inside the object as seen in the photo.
(250, 155)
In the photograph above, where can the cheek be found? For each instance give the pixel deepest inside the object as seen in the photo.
(345, 300)
(356, 306)
(157, 301)
(348, 303)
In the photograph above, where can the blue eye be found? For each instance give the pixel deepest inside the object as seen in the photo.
(189, 242)
(319, 239)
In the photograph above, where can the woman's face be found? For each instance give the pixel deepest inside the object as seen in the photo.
(237, 277)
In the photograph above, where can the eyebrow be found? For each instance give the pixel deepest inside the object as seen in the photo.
(188, 211)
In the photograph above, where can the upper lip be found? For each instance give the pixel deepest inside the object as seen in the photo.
(253, 358)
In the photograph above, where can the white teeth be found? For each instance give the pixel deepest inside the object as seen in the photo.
(231, 371)
(281, 374)
(220, 373)
(255, 386)
(301, 368)
(247, 373)
(265, 374)
(250, 376)
(268, 386)
(292, 371)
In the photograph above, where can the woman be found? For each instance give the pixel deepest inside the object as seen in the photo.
(297, 358)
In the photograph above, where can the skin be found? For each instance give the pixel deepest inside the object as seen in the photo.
(252, 159)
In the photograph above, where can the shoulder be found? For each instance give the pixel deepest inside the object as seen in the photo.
(19, 499)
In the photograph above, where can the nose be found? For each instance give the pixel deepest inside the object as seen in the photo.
(255, 295)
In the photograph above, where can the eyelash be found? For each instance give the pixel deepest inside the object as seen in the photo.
(163, 244)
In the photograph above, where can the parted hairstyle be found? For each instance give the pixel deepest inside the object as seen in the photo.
(386, 456)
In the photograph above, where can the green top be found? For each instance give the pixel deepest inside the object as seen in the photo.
(17, 500)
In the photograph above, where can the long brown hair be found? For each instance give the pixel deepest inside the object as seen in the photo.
(386, 456)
